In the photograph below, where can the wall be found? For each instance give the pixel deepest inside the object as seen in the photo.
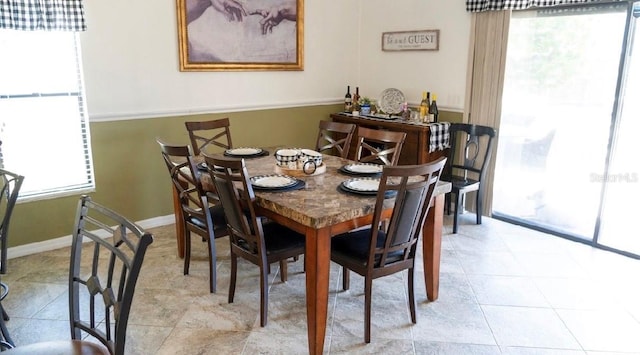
(135, 93)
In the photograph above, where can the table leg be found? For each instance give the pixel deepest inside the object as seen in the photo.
(317, 261)
(177, 210)
(432, 245)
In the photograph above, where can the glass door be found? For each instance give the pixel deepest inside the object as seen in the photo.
(561, 83)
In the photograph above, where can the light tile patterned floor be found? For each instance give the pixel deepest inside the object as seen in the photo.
(503, 289)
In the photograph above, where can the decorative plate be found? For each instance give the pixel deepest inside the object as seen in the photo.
(243, 151)
(273, 181)
(362, 168)
(391, 101)
(362, 184)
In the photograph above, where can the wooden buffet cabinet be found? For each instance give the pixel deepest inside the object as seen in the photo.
(416, 145)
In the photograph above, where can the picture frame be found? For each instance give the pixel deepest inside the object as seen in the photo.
(238, 35)
(421, 40)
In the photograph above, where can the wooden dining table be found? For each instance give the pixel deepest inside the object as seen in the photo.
(320, 211)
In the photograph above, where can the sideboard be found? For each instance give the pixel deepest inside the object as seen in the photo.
(416, 145)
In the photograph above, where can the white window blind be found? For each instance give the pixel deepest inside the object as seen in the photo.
(44, 129)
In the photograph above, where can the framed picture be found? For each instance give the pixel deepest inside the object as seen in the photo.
(222, 35)
(423, 40)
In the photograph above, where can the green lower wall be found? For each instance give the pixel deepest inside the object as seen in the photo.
(131, 177)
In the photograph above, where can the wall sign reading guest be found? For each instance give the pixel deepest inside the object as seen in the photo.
(427, 40)
(240, 34)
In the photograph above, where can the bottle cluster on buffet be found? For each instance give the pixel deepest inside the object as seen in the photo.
(426, 112)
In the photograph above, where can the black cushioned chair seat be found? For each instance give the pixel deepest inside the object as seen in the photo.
(217, 215)
(356, 245)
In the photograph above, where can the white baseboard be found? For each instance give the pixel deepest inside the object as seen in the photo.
(51, 244)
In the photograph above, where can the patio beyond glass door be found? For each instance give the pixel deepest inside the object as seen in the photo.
(562, 77)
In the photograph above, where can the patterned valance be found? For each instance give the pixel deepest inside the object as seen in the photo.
(493, 5)
(46, 15)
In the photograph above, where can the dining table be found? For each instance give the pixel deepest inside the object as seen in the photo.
(321, 210)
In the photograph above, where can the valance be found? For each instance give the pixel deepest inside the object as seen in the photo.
(46, 15)
(493, 5)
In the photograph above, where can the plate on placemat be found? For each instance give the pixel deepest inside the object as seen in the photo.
(391, 101)
(362, 169)
(243, 152)
(273, 181)
(361, 186)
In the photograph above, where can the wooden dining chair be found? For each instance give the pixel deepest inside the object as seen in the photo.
(251, 238)
(9, 190)
(335, 135)
(209, 136)
(199, 215)
(374, 252)
(379, 146)
(107, 252)
(469, 157)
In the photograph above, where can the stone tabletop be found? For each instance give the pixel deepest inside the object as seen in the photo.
(320, 203)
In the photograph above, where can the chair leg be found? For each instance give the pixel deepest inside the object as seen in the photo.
(187, 250)
(367, 309)
(447, 202)
(264, 294)
(283, 270)
(455, 212)
(211, 244)
(478, 207)
(234, 273)
(412, 296)
(3, 329)
(345, 278)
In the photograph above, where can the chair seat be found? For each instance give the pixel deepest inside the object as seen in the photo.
(462, 184)
(355, 246)
(60, 347)
(217, 215)
(278, 238)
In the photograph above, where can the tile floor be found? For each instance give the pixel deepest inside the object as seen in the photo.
(503, 289)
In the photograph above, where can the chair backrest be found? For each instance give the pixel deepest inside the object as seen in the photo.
(471, 149)
(10, 188)
(335, 135)
(236, 194)
(379, 146)
(185, 177)
(107, 251)
(209, 136)
(413, 186)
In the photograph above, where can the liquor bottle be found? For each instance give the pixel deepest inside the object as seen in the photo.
(356, 98)
(406, 112)
(348, 104)
(424, 106)
(433, 109)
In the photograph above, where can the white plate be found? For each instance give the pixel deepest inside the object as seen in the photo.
(364, 184)
(244, 151)
(364, 168)
(391, 101)
(273, 181)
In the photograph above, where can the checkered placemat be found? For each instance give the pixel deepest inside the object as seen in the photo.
(438, 136)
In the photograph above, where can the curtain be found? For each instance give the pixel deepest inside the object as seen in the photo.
(42, 15)
(485, 79)
(493, 5)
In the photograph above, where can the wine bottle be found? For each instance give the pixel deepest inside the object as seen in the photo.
(424, 106)
(356, 99)
(348, 104)
(433, 109)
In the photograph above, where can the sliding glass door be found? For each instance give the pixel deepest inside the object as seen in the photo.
(566, 77)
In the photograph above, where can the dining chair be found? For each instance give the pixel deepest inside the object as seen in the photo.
(252, 238)
(107, 252)
(199, 216)
(11, 183)
(379, 146)
(374, 252)
(469, 157)
(335, 135)
(210, 135)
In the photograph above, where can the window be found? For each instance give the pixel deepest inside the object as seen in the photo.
(44, 130)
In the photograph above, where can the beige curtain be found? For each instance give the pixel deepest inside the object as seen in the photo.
(485, 79)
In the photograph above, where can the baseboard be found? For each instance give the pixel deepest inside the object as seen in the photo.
(51, 244)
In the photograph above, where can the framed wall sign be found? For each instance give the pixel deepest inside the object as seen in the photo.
(423, 40)
(216, 35)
